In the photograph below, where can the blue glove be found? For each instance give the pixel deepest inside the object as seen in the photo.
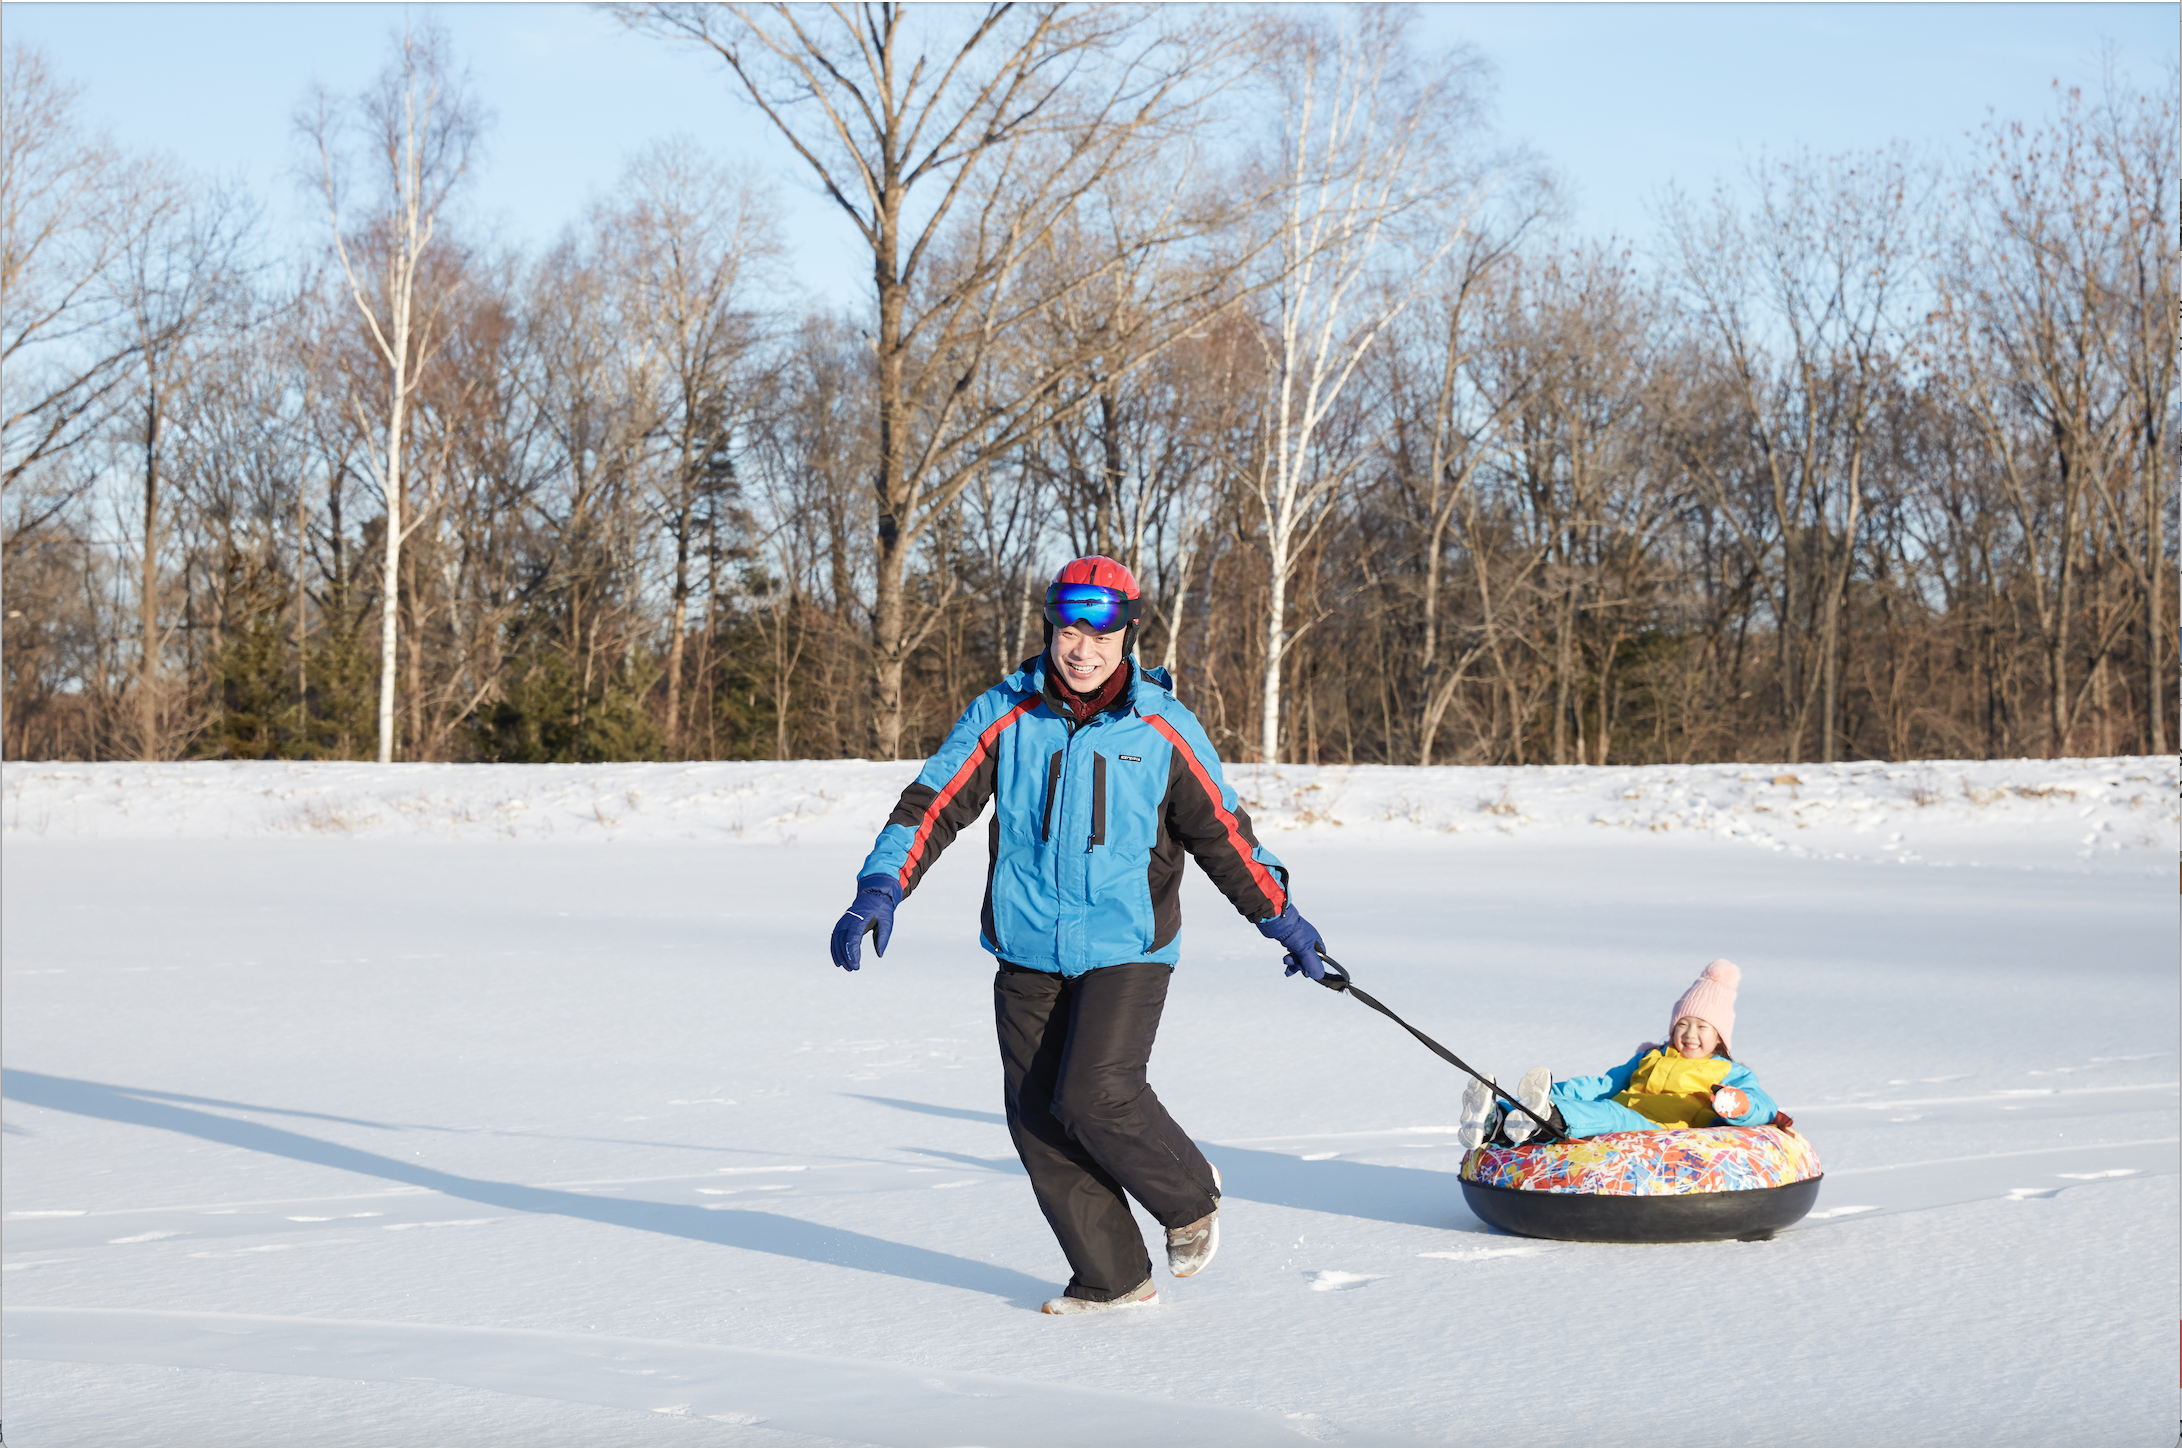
(876, 897)
(1299, 937)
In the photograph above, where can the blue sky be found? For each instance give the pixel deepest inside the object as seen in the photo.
(1623, 99)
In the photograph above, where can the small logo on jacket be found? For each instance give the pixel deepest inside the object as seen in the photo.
(1132, 759)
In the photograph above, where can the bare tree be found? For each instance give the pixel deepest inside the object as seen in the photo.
(813, 441)
(70, 209)
(172, 280)
(2134, 136)
(1542, 501)
(1373, 194)
(480, 471)
(2034, 318)
(1127, 454)
(1804, 294)
(955, 145)
(1580, 354)
(692, 245)
(419, 129)
(1441, 431)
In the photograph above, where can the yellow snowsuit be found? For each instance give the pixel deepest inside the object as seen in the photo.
(1668, 1088)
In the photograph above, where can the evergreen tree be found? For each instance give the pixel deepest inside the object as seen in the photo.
(546, 715)
(343, 685)
(256, 714)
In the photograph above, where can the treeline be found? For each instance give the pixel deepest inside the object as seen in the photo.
(1860, 456)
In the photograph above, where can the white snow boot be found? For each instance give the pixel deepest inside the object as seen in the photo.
(1535, 1090)
(1190, 1248)
(1480, 1114)
(1141, 1295)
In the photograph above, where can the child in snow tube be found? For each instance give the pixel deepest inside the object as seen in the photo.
(1677, 1144)
(1689, 1081)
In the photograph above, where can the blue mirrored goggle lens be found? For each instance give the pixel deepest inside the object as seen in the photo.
(1100, 609)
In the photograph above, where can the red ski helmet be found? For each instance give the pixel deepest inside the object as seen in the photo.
(1097, 593)
(1100, 572)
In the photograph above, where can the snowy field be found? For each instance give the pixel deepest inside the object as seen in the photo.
(388, 1108)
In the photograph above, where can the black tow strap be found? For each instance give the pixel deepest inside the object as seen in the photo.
(1337, 979)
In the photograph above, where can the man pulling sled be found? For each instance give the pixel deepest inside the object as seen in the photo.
(1102, 782)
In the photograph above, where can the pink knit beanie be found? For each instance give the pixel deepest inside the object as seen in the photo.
(1711, 999)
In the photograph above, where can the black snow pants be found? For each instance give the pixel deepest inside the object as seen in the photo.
(1086, 1124)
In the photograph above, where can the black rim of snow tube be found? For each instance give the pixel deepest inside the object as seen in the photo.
(1750, 1216)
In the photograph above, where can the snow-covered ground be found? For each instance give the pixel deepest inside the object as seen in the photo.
(378, 1107)
(2033, 812)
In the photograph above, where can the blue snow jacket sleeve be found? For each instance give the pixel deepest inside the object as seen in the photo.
(950, 791)
(1205, 818)
(1599, 1088)
(1762, 1109)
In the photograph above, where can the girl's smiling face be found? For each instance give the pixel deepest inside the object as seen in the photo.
(1694, 1037)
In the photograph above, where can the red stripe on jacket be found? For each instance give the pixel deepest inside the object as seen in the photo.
(1267, 881)
(962, 776)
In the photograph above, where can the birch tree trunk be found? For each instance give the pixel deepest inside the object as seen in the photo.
(677, 632)
(1371, 200)
(419, 128)
(390, 492)
(147, 602)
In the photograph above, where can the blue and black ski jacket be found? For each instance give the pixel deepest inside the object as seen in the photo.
(1090, 825)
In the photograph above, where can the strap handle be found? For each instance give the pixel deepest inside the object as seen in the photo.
(1337, 980)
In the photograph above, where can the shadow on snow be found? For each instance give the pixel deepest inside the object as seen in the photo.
(1406, 1196)
(752, 1230)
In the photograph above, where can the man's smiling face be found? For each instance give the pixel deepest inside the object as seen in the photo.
(1085, 659)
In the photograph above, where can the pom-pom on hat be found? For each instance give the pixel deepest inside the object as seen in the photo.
(1712, 999)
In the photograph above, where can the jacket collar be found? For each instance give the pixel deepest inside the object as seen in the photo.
(1149, 688)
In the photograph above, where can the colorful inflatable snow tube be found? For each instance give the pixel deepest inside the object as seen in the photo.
(1695, 1184)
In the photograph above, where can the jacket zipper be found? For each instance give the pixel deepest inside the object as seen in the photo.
(1053, 790)
(1098, 801)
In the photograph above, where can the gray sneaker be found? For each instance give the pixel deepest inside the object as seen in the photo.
(1190, 1248)
(1535, 1090)
(1480, 1114)
(1141, 1295)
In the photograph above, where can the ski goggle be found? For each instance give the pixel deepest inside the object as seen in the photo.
(1101, 610)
